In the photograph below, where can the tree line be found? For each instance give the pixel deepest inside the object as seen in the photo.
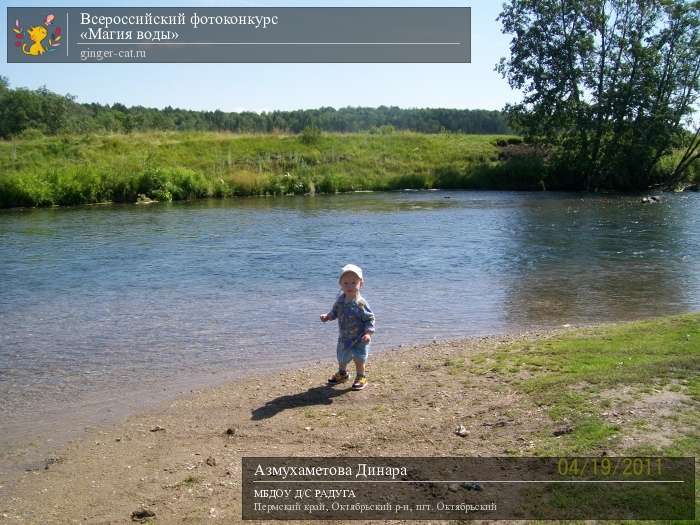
(50, 113)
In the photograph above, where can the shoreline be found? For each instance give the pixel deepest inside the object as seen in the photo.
(688, 189)
(35, 441)
(52, 441)
(182, 459)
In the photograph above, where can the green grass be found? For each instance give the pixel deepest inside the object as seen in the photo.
(578, 377)
(573, 377)
(82, 169)
(454, 366)
(37, 170)
(189, 481)
(570, 372)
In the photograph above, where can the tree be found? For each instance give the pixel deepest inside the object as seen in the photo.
(52, 113)
(608, 85)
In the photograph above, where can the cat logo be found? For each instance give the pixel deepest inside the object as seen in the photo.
(36, 36)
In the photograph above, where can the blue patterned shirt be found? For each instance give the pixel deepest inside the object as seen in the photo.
(355, 318)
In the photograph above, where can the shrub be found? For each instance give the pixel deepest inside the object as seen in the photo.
(310, 135)
(31, 134)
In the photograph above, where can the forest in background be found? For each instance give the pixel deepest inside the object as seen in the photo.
(42, 111)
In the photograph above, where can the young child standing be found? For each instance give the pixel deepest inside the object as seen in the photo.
(356, 326)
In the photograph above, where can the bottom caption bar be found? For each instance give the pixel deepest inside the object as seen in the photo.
(587, 488)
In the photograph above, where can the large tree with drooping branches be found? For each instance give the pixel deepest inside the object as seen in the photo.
(609, 87)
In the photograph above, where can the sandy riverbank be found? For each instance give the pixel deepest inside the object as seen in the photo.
(182, 461)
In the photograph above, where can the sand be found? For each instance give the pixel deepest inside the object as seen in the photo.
(182, 460)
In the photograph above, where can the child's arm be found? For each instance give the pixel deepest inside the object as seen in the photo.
(332, 315)
(368, 322)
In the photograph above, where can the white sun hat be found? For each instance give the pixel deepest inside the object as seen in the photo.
(351, 268)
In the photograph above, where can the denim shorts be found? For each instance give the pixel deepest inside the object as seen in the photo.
(345, 354)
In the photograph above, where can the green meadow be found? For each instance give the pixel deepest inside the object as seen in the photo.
(37, 170)
(580, 377)
(628, 389)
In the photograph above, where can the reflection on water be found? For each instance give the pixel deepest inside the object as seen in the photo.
(603, 260)
(102, 306)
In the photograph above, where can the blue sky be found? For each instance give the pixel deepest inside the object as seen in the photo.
(265, 87)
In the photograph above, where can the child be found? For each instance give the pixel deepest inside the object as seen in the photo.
(356, 324)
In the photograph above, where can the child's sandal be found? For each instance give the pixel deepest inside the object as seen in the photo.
(339, 377)
(360, 382)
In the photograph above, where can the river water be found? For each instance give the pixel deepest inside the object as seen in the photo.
(107, 309)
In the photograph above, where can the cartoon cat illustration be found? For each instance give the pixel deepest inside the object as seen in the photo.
(36, 34)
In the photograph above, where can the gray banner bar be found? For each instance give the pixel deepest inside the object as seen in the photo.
(464, 488)
(232, 34)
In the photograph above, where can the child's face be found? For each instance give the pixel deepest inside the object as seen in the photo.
(350, 283)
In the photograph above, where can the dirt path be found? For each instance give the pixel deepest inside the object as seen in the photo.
(183, 461)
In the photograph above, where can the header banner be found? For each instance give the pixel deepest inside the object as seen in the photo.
(37, 35)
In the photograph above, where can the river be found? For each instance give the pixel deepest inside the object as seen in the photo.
(106, 310)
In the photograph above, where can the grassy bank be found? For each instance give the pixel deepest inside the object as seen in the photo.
(67, 170)
(609, 390)
(582, 378)
(37, 170)
(624, 390)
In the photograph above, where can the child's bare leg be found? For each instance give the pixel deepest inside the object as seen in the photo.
(359, 366)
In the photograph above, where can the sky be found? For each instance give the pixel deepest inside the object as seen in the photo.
(267, 87)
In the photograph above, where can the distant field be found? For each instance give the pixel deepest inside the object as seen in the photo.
(82, 169)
